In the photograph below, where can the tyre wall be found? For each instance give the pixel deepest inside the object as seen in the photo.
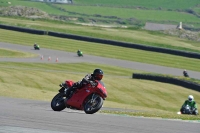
(128, 45)
(104, 41)
(170, 80)
(20, 29)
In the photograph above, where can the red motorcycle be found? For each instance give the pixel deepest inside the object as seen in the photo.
(88, 98)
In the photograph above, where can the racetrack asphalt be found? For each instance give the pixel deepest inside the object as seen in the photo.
(70, 57)
(31, 116)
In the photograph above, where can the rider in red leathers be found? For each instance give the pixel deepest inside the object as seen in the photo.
(89, 78)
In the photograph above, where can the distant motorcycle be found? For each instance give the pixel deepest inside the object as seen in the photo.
(187, 110)
(185, 74)
(88, 98)
(80, 54)
(36, 47)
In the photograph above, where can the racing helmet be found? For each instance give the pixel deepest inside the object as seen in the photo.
(97, 74)
(190, 98)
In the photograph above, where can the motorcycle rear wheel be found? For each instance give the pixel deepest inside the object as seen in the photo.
(57, 103)
(93, 107)
(37, 48)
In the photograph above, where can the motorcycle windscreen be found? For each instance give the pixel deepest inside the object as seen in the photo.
(102, 88)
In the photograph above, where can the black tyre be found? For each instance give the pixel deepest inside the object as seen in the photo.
(92, 106)
(57, 103)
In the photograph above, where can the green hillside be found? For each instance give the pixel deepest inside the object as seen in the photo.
(127, 12)
(166, 4)
(40, 80)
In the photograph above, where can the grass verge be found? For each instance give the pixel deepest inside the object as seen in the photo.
(152, 38)
(40, 81)
(100, 50)
(16, 54)
(155, 115)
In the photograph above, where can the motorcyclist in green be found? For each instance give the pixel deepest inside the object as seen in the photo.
(190, 101)
(36, 46)
(79, 53)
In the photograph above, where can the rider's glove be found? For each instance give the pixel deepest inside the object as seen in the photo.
(62, 84)
(85, 80)
(93, 83)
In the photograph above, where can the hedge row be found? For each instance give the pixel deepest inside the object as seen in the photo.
(104, 41)
(171, 80)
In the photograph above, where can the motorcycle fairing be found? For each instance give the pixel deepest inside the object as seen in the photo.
(78, 97)
(69, 83)
(102, 90)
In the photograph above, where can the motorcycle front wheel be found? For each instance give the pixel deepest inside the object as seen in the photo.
(93, 105)
(57, 103)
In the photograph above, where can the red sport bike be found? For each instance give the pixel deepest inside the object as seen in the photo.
(88, 98)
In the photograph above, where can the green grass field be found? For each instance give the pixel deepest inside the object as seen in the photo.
(131, 13)
(157, 39)
(169, 4)
(40, 81)
(14, 54)
(100, 50)
(39, 5)
(125, 13)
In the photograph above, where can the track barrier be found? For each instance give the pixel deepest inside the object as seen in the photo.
(57, 59)
(49, 59)
(42, 57)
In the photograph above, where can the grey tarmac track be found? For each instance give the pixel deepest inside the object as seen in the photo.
(64, 57)
(30, 116)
